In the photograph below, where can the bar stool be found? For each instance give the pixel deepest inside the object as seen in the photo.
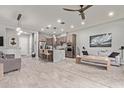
(47, 54)
(42, 53)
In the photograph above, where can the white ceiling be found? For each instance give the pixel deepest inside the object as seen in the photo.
(39, 16)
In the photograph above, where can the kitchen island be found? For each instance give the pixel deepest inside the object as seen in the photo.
(54, 55)
(58, 55)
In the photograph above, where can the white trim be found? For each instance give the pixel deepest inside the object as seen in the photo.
(95, 25)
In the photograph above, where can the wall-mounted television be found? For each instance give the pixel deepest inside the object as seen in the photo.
(1, 41)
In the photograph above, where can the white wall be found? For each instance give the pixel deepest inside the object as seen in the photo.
(3, 33)
(11, 33)
(115, 27)
(6, 33)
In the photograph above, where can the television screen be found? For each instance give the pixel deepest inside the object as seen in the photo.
(1, 41)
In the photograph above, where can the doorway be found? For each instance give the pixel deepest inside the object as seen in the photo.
(24, 45)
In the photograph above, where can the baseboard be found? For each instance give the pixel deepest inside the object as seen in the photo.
(122, 63)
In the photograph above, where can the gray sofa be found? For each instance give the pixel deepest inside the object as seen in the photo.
(10, 63)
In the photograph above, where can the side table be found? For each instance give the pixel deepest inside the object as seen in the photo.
(78, 59)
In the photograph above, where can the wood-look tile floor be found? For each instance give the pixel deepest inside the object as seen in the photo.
(36, 73)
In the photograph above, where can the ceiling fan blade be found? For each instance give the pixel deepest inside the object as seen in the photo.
(69, 9)
(88, 6)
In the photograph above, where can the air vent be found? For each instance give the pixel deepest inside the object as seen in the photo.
(54, 27)
(62, 23)
(47, 27)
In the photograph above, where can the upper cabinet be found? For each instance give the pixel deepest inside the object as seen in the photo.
(41, 37)
(49, 41)
(71, 38)
(61, 40)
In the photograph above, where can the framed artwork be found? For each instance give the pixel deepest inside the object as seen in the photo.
(102, 40)
(12, 41)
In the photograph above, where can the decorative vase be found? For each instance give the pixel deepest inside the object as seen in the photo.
(33, 54)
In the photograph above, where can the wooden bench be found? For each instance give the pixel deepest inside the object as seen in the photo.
(97, 59)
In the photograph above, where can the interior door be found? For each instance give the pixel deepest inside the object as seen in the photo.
(24, 44)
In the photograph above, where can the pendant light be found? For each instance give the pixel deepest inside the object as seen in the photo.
(18, 29)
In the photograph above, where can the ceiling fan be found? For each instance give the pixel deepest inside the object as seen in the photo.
(81, 10)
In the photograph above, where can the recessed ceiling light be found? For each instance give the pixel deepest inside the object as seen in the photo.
(82, 22)
(25, 32)
(59, 21)
(111, 14)
(49, 26)
(18, 34)
(54, 32)
(42, 29)
(72, 26)
(18, 29)
(62, 29)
